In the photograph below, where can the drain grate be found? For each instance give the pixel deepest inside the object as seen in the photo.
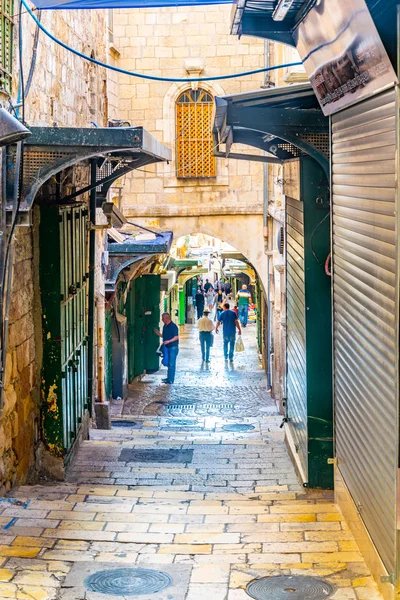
(127, 424)
(156, 456)
(238, 427)
(128, 582)
(182, 422)
(296, 587)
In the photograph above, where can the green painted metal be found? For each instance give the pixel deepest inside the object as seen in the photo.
(182, 305)
(130, 313)
(7, 43)
(64, 295)
(259, 300)
(143, 312)
(309, 350)
(108, 354)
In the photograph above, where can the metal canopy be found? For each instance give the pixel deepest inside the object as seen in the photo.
(50, 150)
(123, 254)
(250, 17)
(285, 122)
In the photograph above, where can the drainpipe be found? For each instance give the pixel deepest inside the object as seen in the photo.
(101, 315)
(92, 255)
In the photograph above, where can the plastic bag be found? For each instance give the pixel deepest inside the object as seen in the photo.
(239, 346)
(164, 360)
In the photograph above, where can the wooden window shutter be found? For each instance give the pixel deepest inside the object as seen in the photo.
(194, 141)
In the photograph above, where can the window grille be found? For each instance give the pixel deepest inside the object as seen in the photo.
(6, 43)
(194, 141)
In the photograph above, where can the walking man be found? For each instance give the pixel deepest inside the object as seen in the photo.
(199, 300)
(170, 337)
(230, 324)
(207, 286)
(243, 299)
(205, 326)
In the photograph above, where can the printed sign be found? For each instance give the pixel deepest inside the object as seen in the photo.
(342, 53)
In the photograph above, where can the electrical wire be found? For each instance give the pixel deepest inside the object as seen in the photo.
(312, 236)
(150, 77)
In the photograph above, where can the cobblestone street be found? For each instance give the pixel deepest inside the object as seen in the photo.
(193, 480)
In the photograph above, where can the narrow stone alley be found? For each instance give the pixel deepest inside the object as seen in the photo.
(194, 488)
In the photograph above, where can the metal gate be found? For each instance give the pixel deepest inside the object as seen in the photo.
(64, 287)
(366, 311)
(296, 383)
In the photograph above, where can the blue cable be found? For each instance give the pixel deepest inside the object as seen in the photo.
(152, 77)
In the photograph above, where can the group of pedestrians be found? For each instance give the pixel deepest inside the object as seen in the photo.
(227, 315)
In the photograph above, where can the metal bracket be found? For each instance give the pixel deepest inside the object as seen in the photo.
(391, 578)
(91, 227)
(332, 461)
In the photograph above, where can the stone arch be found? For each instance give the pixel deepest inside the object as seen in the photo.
(243, 232)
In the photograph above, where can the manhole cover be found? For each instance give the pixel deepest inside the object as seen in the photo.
(238, 427)
(128, 582)
(156, 456)
(296, 587)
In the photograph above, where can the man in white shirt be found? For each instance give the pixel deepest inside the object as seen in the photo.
(205, 327)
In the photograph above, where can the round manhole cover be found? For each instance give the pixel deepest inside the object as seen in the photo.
(128, 582)
(238, 427)
(296, 587)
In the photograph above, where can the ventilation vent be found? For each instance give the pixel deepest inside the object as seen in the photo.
(281, 240)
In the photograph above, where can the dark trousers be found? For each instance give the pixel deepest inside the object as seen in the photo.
(229, 345)
(205, 344)
(200, 310)
(172, 355)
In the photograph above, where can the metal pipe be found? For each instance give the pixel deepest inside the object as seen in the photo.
(92, 256)
(101, 394)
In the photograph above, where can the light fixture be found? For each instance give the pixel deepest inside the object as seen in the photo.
(282, 9)
(11, 130)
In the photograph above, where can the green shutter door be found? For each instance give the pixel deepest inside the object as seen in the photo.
(64, 286)
(151, 321)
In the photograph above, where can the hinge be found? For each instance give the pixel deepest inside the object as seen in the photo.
(332, 461)
(391, 578)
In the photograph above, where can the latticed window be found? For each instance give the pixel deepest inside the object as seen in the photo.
(6, 43)
(194, 142)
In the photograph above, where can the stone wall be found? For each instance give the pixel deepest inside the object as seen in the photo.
(166, 42)
(19, 423)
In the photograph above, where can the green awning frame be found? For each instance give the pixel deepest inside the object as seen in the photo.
(285, 122)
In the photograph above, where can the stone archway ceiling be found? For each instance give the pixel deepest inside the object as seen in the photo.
(50, 150)
(285, 121)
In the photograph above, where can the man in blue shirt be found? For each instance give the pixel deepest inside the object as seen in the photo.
(170, 336)
(230, 324)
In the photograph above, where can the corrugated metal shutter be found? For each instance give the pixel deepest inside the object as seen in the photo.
(296, 386)
(365, 312)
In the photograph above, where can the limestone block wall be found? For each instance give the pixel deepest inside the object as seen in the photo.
(65, 90)
(19, 423)
(166, 42)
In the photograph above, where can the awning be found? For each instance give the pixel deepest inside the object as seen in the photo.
(254, 17)
(49, 150)
(99, 4)
(133, 250)
(285, 122)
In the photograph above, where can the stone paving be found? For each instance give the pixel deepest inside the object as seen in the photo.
(168, 487)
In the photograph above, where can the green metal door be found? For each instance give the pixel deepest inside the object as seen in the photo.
(130, 313)
(64, 287)
(151, 321)
(143, 313)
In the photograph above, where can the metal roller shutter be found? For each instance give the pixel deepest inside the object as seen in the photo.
(365, 312)
(296, 329)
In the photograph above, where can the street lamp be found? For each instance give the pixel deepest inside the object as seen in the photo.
(11, 130)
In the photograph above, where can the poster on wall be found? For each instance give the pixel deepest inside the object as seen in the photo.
(342, 53)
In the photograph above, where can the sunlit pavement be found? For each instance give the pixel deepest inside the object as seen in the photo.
(169, 487)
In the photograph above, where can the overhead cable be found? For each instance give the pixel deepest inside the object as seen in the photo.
(151, 77)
